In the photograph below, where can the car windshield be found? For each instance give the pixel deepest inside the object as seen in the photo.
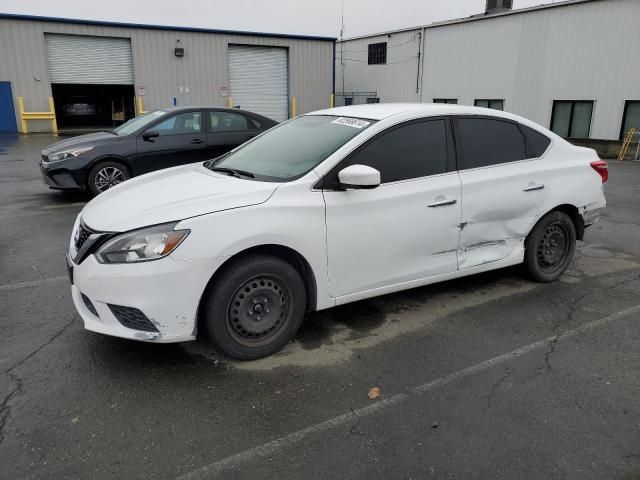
(137, 123)
(291, 149)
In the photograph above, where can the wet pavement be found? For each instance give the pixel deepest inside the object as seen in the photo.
(491, 376)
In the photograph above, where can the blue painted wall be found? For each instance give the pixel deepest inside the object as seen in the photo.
(7, 111)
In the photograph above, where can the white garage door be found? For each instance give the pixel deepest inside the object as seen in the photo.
(89, 60)
(259, 80)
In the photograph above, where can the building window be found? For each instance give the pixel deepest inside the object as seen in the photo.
(373, 100)
(348, 101)
(451, 101)
(494, 104)
(377, 53)
(571, 119)
(631, 117)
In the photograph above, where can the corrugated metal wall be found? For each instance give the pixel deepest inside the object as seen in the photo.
(576, 52)
(194, 79)
(395, 81)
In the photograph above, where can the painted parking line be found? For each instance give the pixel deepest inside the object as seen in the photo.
(64, 205)
(273, 447)
(32, 283)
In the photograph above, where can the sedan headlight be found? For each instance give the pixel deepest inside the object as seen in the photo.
(65, 154)
(142, 245)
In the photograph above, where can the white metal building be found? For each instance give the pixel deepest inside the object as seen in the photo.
(569, 65)
(102, 73)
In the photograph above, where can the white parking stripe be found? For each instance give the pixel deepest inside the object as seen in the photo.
(270, 448)
(64, 205)
(32, 283)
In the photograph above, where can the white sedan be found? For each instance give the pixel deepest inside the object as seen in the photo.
(328, 208)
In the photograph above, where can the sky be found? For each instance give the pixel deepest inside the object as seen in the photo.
(306, 17)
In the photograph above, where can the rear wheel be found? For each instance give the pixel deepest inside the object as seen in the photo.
(550, 247)
(105, 175)
(255, 308)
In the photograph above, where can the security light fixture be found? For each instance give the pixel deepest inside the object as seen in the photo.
(179, 50)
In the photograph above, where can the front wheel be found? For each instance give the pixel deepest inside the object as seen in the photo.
(105, 175)
(255, 308)
(550, 247)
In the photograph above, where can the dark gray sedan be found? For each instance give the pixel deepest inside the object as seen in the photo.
(159, 139)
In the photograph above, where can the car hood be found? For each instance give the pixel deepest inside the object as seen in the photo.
(97, 138)
(171, 195)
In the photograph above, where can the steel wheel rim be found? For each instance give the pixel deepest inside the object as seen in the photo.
(258, 310)
(553, 247)
(108, 177)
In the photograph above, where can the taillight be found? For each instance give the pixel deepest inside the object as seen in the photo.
(602, 168)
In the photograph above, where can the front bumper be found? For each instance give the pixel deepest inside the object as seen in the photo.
(166, 291)
(60, 178)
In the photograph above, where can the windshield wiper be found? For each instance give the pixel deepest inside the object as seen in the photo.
(233, 172)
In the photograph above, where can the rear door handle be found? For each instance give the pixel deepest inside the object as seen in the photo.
(197, 141)
(532, 187)
(442, 203)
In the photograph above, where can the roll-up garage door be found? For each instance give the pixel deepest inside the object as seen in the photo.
(89, 60)
(259, 80)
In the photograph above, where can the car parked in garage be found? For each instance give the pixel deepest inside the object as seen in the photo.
(160, 139)
(325, 209)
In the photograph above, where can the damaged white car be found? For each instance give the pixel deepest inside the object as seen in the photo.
(328, 208)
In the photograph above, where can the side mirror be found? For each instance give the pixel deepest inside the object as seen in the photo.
(149, 134)
(357, 177)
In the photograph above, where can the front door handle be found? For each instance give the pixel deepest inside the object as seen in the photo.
(442, 203)
(197, 141)
(532, 187)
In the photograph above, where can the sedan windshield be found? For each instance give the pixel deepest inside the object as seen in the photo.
(290, 150)
(137, 123)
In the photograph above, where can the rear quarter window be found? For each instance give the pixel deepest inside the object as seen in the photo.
(537, 143)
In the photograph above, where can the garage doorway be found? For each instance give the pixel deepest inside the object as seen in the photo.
(259, 80)
(89, 107)
(91, 80)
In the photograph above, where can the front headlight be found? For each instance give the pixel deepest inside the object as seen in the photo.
(58, 156)
(142, 245)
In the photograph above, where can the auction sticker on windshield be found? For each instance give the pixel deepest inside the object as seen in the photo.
(351, 122)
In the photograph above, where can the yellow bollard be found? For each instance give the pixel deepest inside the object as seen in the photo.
(294, 107)
(139, 107)
(54, 123)
(229, 102)
(331, 101)
(23, 123)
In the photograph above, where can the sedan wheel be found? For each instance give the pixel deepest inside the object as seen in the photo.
(550, 247)
(255, 307)
(258, 309)
(106, 175)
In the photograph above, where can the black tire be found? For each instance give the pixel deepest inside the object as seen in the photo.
(255, 308)
(105, 175)
(550, 247)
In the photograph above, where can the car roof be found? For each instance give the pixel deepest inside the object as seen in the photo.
(380, 111)
(217, 109)
(204, 107)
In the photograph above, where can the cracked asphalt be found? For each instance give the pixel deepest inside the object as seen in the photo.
(491, 376)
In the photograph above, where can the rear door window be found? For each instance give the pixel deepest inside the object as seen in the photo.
(483, 142)
(229, 122)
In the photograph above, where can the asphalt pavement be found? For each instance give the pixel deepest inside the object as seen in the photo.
(490, 376)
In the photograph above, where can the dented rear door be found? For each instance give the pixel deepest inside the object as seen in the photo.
(502, 190)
